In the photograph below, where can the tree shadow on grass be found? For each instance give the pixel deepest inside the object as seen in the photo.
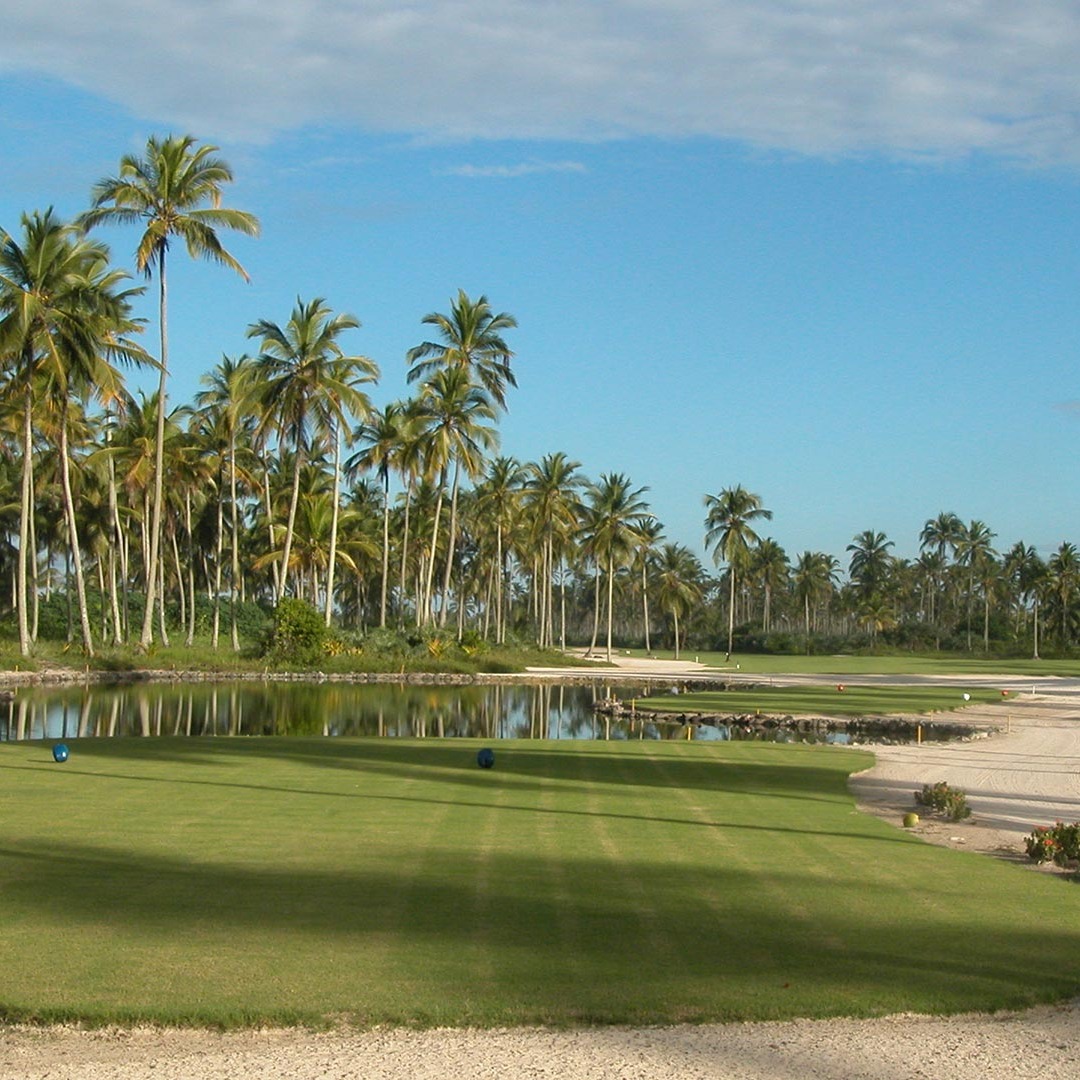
(547, 936)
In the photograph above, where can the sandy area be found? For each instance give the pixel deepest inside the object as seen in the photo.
(1024, 776)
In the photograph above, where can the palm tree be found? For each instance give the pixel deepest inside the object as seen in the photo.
(62, 312)
(470, 339)
(942, 534)
(769, 568)
(816, 575)
(381, 444)
(305, 386)
(454, 411)
(870, 563)
(649, 534)
(498, 500)
(973, 549)
(729, 528)
(225, 402)
(1027, 572)
(613, 515)
(1062, 586)
(679, 577)
(552, 501)
(173, 190)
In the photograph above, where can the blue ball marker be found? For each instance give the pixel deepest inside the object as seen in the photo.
(60, 752)
(485, 758)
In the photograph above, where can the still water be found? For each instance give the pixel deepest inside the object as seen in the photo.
(517, 711)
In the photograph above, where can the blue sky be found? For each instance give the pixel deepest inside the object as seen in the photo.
(830, 251)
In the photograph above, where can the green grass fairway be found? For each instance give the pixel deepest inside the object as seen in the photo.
(825, 701)
(231, 881)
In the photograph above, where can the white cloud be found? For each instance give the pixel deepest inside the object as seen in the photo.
(923, 77)
(509, 172)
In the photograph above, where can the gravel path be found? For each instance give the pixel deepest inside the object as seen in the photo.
(1015, 780)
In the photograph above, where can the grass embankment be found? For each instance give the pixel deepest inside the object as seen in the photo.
(201, 657)
(827, 701)
(234, 881)
(750, 664)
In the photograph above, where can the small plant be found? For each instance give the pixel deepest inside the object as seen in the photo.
(1058, 843)
(942, 799)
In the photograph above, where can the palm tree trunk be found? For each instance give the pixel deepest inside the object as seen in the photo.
(731, 610)
(610, 602)
(294, 501)
(235, 544)
(333, 528)
(385, 550)
(73, 535)
(451, 543)
(26, 511)
(146, 639)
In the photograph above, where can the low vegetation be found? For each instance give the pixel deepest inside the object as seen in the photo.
(308, 880)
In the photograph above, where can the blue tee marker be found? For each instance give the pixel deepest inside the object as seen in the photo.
(60, 752)
(485, 758)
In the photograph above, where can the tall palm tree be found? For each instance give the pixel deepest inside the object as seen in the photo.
(62, 313)
(552, 499)
(870, 563)
(381, 445)
(1027, 572)
(470, 338)
(816, 575)
(173, 190)
(943, 535)
(730, 533)
(614, 512)
(769, 568)
(679, 581)
(225, 401)
(1062, 585)
(455, 413)
(973, 549)
(306, 386)
(498, 502)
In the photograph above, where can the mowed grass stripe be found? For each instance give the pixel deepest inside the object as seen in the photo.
(393, 881)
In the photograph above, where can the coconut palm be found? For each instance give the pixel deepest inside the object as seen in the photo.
(769, 568)
(63, 314)
(1027, 573)
(381, 439)
(816, 575)
(973, 549)
(225, 404)
(870, 563)
(470, 338)
(679, 578)
(614, 512)
(174, 191)
(454, 413)
(306, 387)
(729, 532)
(551, 499)
(498, 502)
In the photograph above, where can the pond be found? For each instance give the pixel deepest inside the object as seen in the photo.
(490, 711)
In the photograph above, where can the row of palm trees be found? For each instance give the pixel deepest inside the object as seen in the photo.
(283, 479)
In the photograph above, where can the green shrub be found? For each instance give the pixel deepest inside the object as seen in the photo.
(298, 634)
(942, 799)
(1058, 843)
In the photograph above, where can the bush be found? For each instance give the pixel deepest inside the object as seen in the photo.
(298, 634)
(942, 799)
(1058, 843)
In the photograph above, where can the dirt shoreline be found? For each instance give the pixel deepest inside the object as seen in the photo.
(1027, 775)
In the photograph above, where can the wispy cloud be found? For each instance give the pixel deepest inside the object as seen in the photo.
(823, 77)
(509, 172)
